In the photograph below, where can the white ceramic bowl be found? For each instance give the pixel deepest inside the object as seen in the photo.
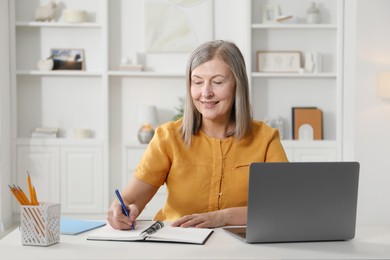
(74, 16)
(82, 133)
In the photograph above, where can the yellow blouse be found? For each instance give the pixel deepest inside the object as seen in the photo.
(209, 175)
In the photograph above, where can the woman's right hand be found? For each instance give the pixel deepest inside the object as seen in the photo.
(118, 220)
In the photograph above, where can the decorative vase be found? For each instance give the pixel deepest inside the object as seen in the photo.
(313, 14)
(145, 133)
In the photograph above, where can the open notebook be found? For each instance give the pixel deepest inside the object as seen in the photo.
(156, 233)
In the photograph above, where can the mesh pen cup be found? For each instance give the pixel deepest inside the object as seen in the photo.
(40, 225)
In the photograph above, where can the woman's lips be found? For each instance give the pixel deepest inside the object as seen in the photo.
(209, 104)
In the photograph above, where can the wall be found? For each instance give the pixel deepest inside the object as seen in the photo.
(5, 150)
(372, 117)
(230, 27)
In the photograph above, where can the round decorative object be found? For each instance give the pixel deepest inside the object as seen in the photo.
(145, 133)
(74, 16)
(45, 64)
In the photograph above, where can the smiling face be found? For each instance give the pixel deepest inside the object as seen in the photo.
(213, 91)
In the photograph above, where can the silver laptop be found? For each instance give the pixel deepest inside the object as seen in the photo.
(305, 201)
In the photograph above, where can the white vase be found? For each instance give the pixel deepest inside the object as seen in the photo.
(313, 14)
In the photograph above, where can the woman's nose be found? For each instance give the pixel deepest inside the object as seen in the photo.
(207, 91)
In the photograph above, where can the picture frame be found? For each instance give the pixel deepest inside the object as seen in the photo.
(307, 123)
(278, 61)
(270, 13)
(68, 59)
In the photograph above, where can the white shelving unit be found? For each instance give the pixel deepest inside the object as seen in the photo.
(68, 170)
(274, 94)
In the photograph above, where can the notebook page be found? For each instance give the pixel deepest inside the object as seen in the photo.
(182, 235)
(109, 233)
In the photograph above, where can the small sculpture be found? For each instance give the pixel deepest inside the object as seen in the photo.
(279, 124)
(46, 65)
(46, 12)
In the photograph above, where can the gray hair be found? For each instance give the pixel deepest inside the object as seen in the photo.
(241, 112)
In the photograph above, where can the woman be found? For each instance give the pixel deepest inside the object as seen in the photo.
(204, 157)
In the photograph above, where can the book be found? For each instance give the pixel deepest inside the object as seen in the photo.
(157, 232)
(35, 134)
(45, 132)
(75, 227)
(46, 129)
(307, 123)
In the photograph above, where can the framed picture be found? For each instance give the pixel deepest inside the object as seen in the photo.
(307, 123)
(68, 59)
(270, 13)
(278, 61)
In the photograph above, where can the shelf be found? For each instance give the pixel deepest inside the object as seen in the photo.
(60, 141)
(120, 73)
(294, 26)
(293, 75)
(57, 24)
(58, 73)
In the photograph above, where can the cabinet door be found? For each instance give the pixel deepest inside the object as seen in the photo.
(315, 154)
(42, 162)
(82, 180)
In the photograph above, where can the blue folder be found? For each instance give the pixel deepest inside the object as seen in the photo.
(75, 227)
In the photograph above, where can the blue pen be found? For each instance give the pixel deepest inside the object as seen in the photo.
(124, 209)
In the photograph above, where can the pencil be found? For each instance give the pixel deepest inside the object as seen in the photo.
(32, 212)
(23, 196)
(34, 198)
(16, 195)
(30, 189)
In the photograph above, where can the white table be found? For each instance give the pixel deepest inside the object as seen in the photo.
(371, 242)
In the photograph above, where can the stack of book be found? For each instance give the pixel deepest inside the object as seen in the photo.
(45, 132)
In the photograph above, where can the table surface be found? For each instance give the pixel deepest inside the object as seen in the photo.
(371, 242)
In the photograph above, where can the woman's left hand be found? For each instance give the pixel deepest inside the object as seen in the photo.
(202, 220)
(224, 217)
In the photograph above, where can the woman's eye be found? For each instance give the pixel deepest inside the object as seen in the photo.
(217, 82)
(197, 82)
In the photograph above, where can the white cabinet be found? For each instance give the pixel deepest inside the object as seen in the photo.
(274, 94)
(315, 154)
(133, 154)
(66, 174)
(316, 151)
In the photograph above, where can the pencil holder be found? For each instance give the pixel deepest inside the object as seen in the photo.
(40, 225)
